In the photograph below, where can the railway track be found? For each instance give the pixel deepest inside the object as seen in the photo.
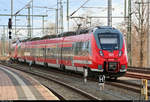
(139, 73)
(139, 70)
(81, 93)
(119, 83)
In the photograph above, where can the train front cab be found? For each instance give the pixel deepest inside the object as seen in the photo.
(109, 54)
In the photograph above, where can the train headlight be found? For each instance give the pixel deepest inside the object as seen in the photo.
(101, 53)
(120, 53)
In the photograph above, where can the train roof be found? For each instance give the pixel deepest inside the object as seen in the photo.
(71, 33)
(64, 34)
(48, 37)
(106, 29)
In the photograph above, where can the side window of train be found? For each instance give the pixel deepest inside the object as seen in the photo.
(48, 52)
(41, 52)
(85, 46)
(80, 44)
(82, 48)
(67, 53)
(33, 51)
(36, 52)
(51, 52)
(79, 48)
(76, 49)
(90, 48)
(86, 51)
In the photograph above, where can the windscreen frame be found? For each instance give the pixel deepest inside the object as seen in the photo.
(99, 31)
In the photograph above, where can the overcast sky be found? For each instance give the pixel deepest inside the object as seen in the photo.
(118, 6)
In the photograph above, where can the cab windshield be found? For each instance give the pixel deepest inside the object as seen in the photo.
(109, 41)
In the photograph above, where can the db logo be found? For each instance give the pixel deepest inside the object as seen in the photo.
(111, 54)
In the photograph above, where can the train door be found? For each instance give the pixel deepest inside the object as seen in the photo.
(40, 54)
(59, 53)
(74, 48)
(52, 52)
(44, 55)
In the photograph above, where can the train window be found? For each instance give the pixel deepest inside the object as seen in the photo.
(41, 52)
(27, 52)
(51, 52)
(85, 46)
(109, 41)
(67, 53)
(82, 48)
(90, 49)
(36, 52)
(33, 51)
(76, 49)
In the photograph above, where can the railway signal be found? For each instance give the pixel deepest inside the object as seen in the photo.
(10, 23)
(10, 35)
(10, 27)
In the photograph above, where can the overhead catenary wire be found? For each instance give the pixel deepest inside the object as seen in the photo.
(23, 7)
(79, 8)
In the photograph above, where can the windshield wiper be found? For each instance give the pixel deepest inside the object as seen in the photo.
(113, 47)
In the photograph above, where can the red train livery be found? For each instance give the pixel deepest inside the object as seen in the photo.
(102, 50)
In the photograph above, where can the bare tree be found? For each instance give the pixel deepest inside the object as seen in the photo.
(140, 26)
(139, 33)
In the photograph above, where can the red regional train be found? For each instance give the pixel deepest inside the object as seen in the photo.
(101, 50)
